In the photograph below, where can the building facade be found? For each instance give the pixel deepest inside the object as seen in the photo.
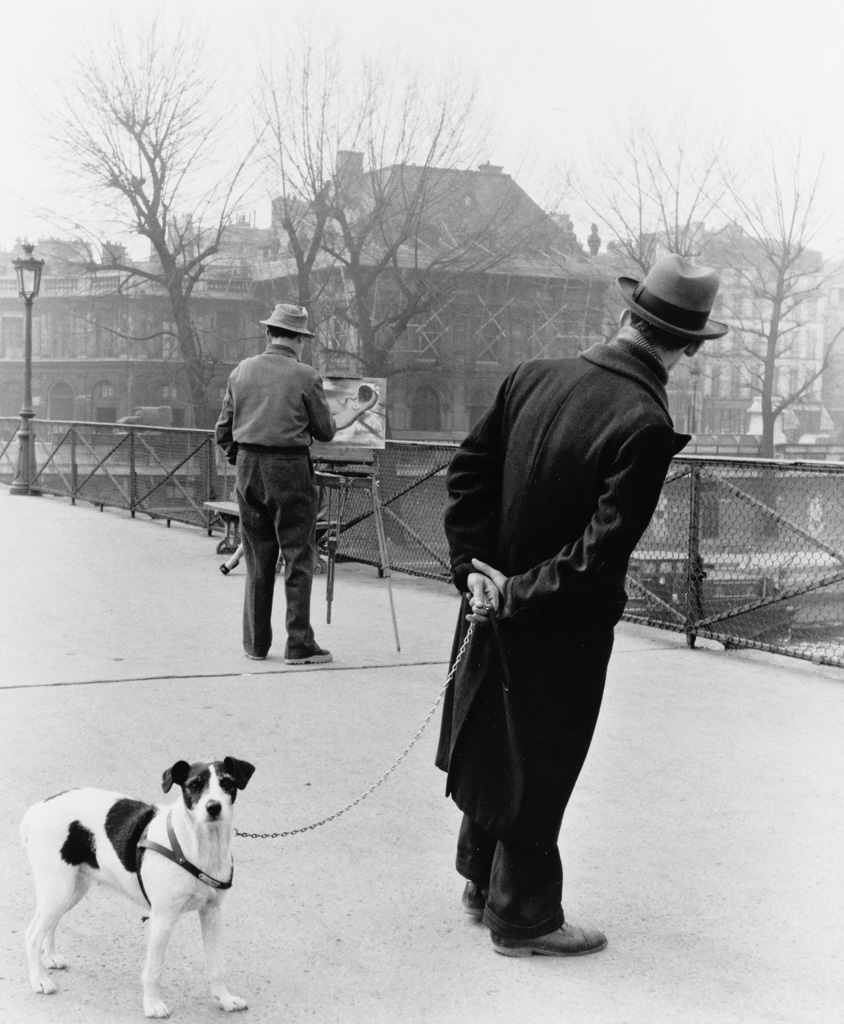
(104, 346)
(501, 280)
(781, 331)
(440, 281)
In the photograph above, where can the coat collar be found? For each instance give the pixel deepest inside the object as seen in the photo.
(626, 364)
(281, 350)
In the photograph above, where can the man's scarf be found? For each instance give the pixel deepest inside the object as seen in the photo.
(629, 339)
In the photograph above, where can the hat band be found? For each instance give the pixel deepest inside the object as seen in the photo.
(686, 319)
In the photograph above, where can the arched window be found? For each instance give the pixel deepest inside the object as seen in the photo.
(103, 402)
(425, 411)
(11, 336)
(60, 402)
(11, 398)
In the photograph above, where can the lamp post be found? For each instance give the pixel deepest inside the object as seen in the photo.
(28, 269)
(694, 374)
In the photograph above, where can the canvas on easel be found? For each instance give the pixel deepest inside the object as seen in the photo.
(346, 464)
(359, 407)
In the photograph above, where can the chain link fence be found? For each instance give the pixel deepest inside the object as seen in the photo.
(411, 480)
(747, 552)
(162, 473)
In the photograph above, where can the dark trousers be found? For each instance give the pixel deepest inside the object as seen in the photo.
(277, 498)
(525, 882)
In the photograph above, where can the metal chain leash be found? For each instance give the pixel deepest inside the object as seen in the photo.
(387, 773)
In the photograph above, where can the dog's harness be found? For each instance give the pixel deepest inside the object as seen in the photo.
(177, 856)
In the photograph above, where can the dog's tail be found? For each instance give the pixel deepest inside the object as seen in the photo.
(27, 820)
(24, 829)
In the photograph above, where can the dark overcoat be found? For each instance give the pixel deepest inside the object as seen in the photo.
(554, 487)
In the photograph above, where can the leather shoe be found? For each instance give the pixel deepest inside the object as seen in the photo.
(307, 655)
(474, 900)
(566, 941)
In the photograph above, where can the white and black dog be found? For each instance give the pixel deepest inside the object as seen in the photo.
(170, 858)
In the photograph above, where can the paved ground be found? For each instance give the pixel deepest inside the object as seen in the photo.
(705, 836)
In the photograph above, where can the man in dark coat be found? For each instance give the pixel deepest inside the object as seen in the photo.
(273, 407)
(548, 496)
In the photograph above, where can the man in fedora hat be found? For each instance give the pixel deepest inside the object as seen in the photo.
(273, 407)
(547, 497)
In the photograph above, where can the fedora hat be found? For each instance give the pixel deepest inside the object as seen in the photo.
(291, 318)
(676, 296)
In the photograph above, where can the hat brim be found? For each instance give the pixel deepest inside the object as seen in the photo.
(713, 328)
(286, 327)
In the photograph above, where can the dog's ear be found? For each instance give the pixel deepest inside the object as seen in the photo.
(175, 775)
(241, 770)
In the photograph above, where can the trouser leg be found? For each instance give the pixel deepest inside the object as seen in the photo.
(260, 552)
(296, 531)
(475, 852)
(525, 890)
(525, 881)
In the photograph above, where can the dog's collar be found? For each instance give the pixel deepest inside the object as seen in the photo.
(177, 856)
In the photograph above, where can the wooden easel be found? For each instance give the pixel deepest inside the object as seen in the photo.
(346, 470)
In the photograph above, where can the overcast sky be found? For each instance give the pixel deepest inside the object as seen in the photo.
(562, 79)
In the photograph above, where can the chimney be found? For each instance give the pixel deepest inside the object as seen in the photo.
(349, 165)
(489, 168)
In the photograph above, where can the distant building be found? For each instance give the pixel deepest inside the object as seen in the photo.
(730, 401)
(104, 345)
(504, 282)
(716, 396)
(498, 290)
(833, 382)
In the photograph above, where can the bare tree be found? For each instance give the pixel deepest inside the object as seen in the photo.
(141, 131)
(372, 197)
(658, 196)
(299, 114)
(774, 282)
(655, 196)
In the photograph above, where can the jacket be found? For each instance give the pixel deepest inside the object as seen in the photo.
(274, 401)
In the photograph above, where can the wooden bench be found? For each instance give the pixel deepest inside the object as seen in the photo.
(230, 515)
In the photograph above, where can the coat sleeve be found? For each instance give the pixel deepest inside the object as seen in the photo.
(630, 493)
(223, 429)
(473, 482)
(321, 420)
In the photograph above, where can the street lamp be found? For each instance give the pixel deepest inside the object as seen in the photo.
(28, 269)
(694, 375)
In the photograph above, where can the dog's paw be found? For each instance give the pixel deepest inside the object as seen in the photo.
(44, 986)
(230, 1003)
(55, 963)
(155, 1008)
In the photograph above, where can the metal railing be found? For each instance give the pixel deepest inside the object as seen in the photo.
(747, 552)
(162, 473)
